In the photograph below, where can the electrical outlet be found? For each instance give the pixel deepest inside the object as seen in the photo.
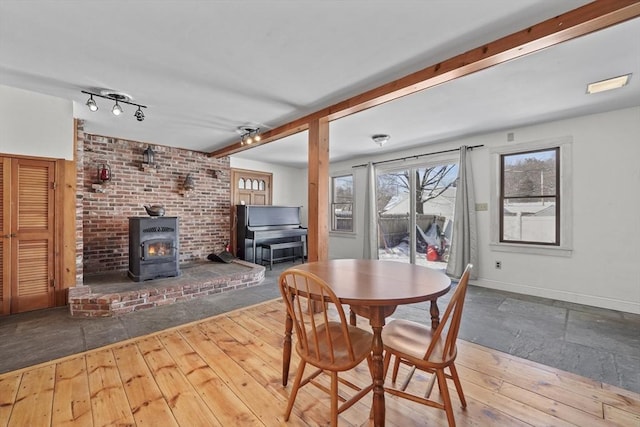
(498, 265)
(482, 207)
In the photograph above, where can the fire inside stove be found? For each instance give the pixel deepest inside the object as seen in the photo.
(160, 249)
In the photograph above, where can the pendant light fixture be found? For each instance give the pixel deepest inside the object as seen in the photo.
(380, 139)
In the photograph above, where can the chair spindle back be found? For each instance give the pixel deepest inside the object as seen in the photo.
(318, 335)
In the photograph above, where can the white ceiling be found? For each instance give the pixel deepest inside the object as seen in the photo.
(204, 68)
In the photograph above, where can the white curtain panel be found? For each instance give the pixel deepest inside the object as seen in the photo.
(464, 241)
(370, 216)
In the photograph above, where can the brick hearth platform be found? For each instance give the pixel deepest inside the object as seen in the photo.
(114, 294)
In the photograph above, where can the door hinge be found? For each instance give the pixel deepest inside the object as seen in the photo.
(54, 185)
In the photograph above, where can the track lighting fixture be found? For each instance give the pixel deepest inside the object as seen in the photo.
(91, 103)
(117, 109)
(248, 135)
(139, 115)
(118, 98)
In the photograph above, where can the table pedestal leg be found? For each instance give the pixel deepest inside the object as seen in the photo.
(377, 322)
(435, 314)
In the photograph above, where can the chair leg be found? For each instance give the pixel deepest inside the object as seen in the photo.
(334, 399)
(405, 384)
(430, 384)
(396, 365)
(294, 389)
(456, 381)
(444, 391)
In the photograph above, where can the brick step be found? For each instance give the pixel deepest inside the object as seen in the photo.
(124, 296)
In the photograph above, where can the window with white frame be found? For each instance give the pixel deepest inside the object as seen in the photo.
(342, 203)
(531, 196)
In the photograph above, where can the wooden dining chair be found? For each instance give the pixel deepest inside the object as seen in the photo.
(428, 350)
(332, 346)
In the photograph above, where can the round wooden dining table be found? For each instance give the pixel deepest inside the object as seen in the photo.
(373, 289)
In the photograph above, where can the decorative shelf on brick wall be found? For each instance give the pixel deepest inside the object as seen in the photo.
(187, 193)
(149, 168)
(101, 188)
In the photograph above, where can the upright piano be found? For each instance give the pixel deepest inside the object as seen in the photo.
(266, 224)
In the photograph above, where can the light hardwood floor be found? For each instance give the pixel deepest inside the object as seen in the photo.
(226, 371)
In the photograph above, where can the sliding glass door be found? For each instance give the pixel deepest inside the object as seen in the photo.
(415, 213)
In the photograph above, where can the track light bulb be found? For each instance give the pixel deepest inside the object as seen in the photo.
(139, 115)
(256, 138)
(117, 109)
(91, 103)
(249, 140)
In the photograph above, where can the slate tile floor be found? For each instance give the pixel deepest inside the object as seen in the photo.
(596, 343)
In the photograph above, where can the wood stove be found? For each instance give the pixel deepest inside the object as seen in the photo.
(153, 247)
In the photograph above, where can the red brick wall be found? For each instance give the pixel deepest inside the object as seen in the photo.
(203, 216)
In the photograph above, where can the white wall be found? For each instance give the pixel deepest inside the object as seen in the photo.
(35, 125)
(604, 267)
(289, 184)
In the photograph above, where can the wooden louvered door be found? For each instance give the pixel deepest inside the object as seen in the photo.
(28, 258)
(5, 235)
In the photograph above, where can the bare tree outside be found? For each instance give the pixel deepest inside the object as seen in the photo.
(529, 176)
(430, 183)
(387, 188)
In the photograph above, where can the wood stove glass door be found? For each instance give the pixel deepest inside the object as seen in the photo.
(157, 249)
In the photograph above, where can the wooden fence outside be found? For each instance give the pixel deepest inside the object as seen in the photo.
(395, 227)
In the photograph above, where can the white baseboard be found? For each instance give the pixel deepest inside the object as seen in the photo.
(596, 301)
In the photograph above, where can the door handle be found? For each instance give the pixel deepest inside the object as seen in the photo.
(6, 236)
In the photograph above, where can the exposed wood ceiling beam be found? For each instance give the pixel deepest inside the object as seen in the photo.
(581, 21)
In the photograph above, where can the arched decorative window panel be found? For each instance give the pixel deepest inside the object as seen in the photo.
(251, 187)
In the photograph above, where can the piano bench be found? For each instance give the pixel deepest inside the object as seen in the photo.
(271, 247)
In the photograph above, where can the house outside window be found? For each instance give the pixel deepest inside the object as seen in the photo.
(342, 203)
(532, 197)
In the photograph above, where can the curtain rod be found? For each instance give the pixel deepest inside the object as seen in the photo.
(419, 155)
